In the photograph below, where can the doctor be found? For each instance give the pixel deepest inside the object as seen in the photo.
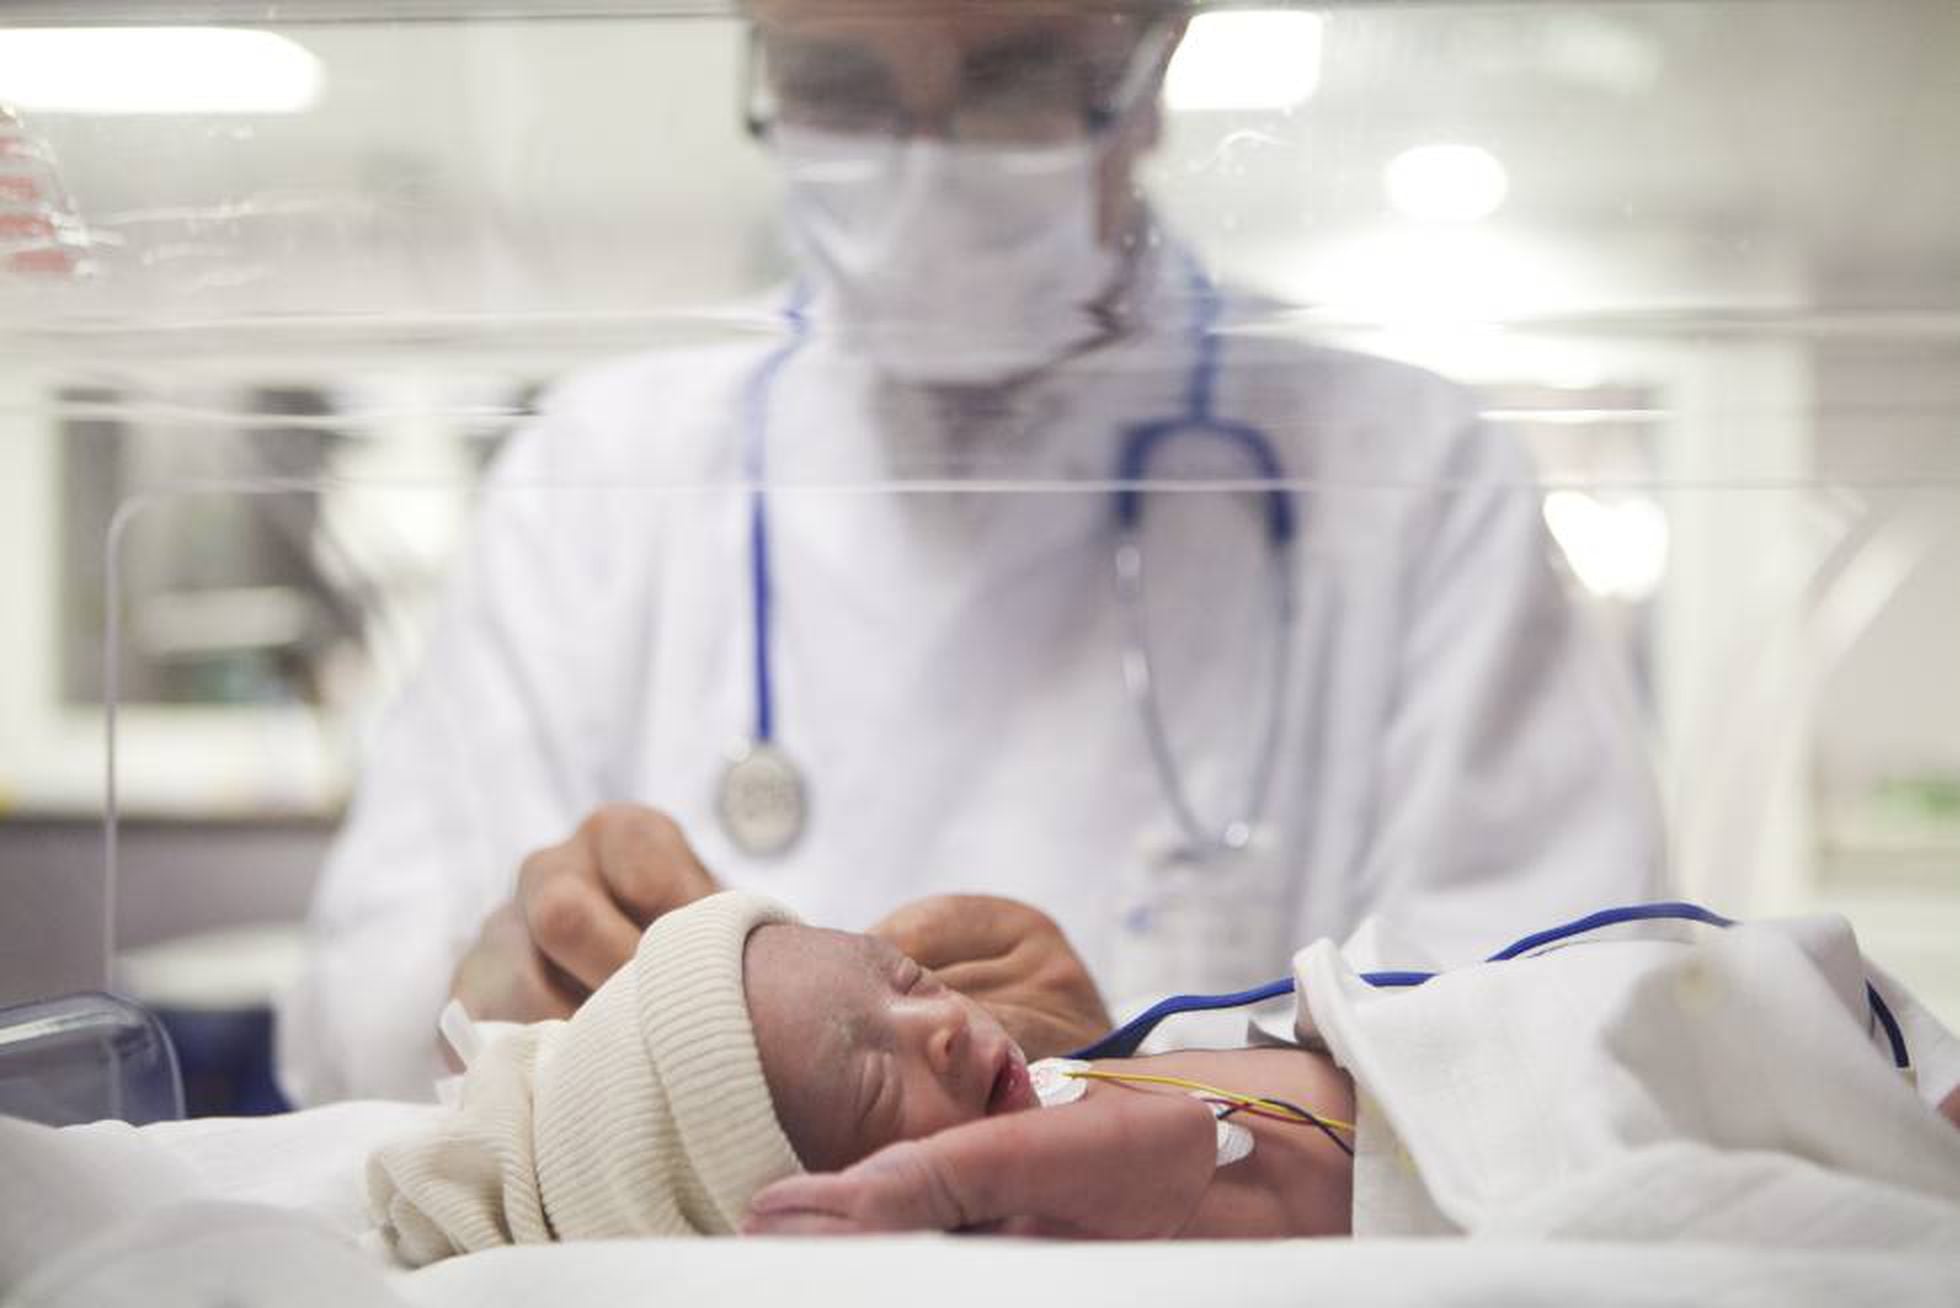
(1195, 727)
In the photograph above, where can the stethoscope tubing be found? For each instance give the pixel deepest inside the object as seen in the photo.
(1124, 1041)
(1139, 443)
(755, 474)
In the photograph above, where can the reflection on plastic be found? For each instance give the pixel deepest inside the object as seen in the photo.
(40, 233)
(85, 1057)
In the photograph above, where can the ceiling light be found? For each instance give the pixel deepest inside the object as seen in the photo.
(1618, 549)
(156, 70)
(1252, 59)
(1446, 183)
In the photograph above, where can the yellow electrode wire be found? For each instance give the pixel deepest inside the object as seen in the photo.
(1231, 1096)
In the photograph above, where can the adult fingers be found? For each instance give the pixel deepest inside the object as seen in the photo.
(503, 977)
(644, 860)
(901, 1188)
(1045, 1033)
(985, 975)
(943, 929)
(811, 1192)
(1043, 975)
(570, 917)
(802, 1223)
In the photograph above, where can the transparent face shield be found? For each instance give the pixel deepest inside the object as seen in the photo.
(1449, 523)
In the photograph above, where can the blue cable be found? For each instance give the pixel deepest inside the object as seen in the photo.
(1605, 917)
(1124, 1040)
(1893, 1036)
(1389, 980)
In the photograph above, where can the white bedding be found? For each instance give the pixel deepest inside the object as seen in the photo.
(1593, 1136)
(258, 1212)
(267, 1211)
(1716, 1085)
(957, 1272)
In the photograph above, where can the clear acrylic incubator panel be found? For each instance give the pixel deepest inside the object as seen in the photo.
(1441, 440)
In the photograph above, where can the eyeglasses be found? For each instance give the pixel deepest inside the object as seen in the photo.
(1027, 91)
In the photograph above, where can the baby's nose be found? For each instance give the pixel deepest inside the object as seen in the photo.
(947, 1039)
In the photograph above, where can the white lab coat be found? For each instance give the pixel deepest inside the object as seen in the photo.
(1457, 759)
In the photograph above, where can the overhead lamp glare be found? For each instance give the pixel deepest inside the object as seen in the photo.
(1618, 550)
(1446, 183)
(157, 70)
(1245, 60)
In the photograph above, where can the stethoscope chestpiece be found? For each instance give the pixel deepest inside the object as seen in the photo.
(761, 801)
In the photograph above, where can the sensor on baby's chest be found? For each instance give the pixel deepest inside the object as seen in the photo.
(1059, 1081)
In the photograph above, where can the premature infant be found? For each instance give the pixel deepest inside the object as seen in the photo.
(864, 1050)
(748, 1073)
(741, 1050)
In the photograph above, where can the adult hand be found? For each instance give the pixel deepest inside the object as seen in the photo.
(1010, 957)
(577, 915)
(1132, 1167)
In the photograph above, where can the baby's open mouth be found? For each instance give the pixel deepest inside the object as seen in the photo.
(1013, 1089)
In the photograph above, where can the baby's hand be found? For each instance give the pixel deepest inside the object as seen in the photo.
(1125, 1166)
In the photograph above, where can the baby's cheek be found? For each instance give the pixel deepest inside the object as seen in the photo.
(814, 1128)
(931, 1109)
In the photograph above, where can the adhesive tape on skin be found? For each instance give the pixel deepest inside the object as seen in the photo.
(1234, 1141)
(1053, 1085)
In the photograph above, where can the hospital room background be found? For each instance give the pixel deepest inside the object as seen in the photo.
(272, 296)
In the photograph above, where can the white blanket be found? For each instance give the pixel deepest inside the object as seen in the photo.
(1722, 1087)
(1689, 1124)
(95, 1218)
(218, 1210)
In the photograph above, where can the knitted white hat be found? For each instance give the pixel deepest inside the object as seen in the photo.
(644, 1114)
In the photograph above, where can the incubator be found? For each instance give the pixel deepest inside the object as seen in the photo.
(1427, 470)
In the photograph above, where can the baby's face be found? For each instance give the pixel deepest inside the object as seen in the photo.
(862, 1047)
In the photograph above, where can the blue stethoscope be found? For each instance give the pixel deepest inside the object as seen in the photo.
(763, 802)
(1126, 1039)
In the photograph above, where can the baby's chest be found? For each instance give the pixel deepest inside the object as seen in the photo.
(1059, 1081)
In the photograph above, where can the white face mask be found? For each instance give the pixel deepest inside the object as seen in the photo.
(945, 261)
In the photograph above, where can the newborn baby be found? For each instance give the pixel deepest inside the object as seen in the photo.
(863, 1049)
(741, 1049)
(746, 1072)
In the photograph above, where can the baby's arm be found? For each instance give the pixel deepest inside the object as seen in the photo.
(1126, 1167)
